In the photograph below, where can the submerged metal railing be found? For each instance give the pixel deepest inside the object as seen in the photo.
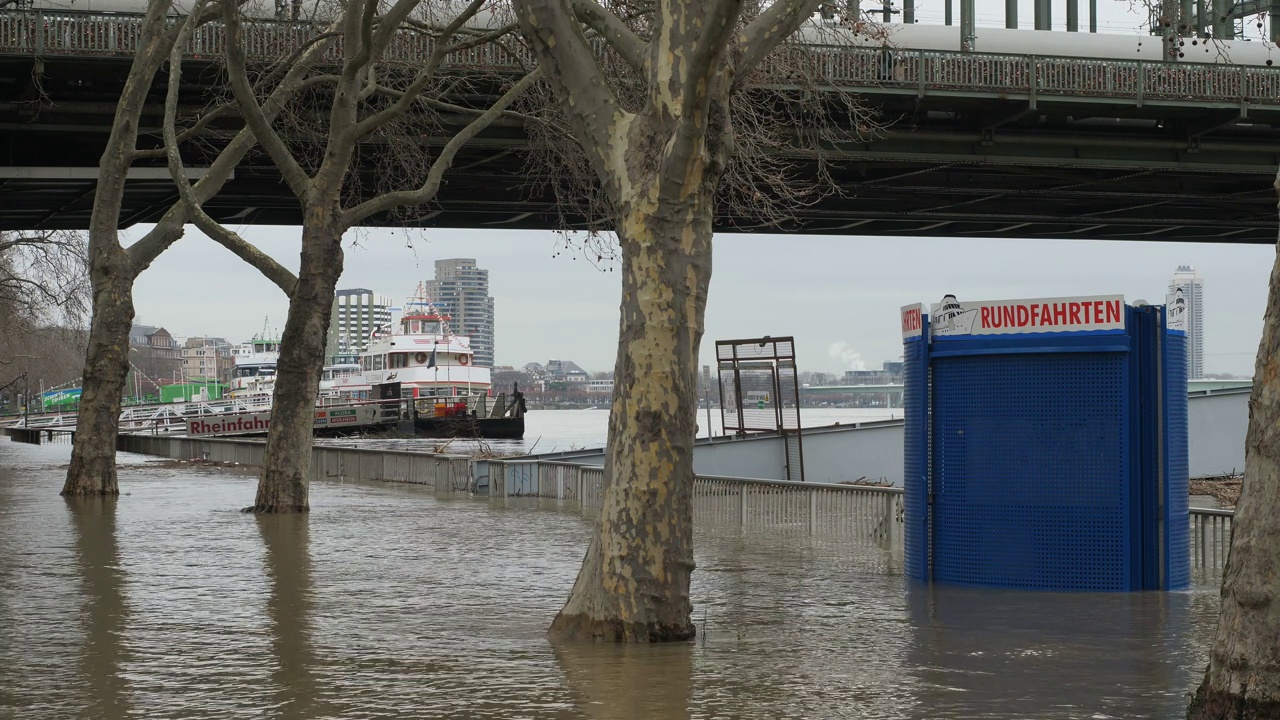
(775, 505)
(1210, 537)
(866, 69)
(864, 512)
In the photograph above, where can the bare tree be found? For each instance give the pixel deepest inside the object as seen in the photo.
(690, 127)
(114, 267)
(362, 106)
(44, 298)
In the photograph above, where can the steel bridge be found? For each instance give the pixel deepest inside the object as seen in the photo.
(975, 145)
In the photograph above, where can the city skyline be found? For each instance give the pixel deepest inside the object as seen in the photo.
(838, 296)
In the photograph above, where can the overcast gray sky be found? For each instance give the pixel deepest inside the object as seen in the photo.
(839, 296)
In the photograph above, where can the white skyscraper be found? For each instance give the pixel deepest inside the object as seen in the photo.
(1186, 311)
(356, 313)
(461, 290)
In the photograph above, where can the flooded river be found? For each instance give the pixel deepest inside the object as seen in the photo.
(388, 601)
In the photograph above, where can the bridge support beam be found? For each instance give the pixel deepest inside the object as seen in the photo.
(968, 32)
(909, 11)
(1224, 28)
(1093, 16)
(946, 15)
(1044, 15)
(1073, 15)
(1186, 25)
(1011, 14)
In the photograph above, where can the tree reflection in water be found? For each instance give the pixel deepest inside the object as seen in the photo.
(289, 614)
(104, 613)
(628, 682)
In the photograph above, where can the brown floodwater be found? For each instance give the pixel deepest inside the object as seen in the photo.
(388, 601)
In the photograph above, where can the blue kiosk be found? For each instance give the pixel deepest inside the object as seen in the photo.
(1046, 445)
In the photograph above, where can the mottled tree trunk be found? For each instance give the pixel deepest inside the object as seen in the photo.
(634, 581)
(283, 484)
(1242, 681)
(106, 369)
(92, 470)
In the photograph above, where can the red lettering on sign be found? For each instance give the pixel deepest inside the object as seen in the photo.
(1113, 311)
(986, 317)
(1059, 314)
(1024, 315)
(911, 320)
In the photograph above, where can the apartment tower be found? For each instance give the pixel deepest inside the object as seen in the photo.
(356, 313)
(461, 291)
(1186, 310)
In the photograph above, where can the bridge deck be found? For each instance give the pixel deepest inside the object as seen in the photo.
(976, 144)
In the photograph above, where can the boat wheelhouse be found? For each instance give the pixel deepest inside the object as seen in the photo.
(254, 374)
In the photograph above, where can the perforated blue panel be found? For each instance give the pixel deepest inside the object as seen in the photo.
(1030, 471)
(915, 466)
(1177, 547)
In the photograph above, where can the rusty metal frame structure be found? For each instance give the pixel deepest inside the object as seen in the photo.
(755, 356)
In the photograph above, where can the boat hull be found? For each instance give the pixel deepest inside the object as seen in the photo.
(469, 427)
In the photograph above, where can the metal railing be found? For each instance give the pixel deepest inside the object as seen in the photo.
(855, 512)
(1210, 537)
(865, 69)
(775, 505)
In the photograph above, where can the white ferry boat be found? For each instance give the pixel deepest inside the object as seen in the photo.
(420, 358)
(254, 374)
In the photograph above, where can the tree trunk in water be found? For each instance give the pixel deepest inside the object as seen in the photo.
(283, 484)
(93, 455)
(1242, 681)
(634, 581)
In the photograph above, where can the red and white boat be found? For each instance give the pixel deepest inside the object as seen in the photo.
(436, 368)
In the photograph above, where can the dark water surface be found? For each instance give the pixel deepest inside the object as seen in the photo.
(390, 602)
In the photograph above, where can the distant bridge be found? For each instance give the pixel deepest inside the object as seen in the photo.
(977, 144)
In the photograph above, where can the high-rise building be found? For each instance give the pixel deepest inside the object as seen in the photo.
(1186, 311)
(461, 291)
(357, 312)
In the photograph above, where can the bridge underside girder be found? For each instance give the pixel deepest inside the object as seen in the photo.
(951, 165)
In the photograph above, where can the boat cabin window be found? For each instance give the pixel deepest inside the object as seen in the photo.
(377, 362)
(244, 371)
(399, 360)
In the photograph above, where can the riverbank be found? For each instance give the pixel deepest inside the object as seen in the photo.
(389, 600)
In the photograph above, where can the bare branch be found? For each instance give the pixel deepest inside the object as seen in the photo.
(257, 121)
(628, 45)
(764, 34)
(442, 163)
(232, 241)
(424, 76)
(365, 52)
(595, 115)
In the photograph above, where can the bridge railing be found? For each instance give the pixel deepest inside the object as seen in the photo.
(862, 69)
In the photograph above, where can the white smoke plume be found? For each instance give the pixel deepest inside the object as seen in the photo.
(850, 358)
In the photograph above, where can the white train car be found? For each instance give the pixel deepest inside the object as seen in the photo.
(1047, 43)
(437, 12)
